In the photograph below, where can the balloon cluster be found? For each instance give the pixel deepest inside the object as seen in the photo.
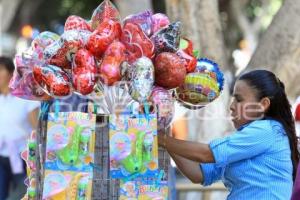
(146, 50)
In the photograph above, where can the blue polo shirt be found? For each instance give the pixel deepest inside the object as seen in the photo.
(253, 163)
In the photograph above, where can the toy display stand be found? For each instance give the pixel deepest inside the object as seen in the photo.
(104, 187)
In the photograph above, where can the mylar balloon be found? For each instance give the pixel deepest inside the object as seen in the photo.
(167, 39)
(52, 79)
(159, 21)
(143, 19)
(84, 72)
(170, 70)
(141, 78)
(110, 66)
(136, 42)
(103, 36)
(164, 102)
(106, 10)
(74, 22)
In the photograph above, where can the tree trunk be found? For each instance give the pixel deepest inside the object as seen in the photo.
(278, 50)
(129, 7)
(201, 23)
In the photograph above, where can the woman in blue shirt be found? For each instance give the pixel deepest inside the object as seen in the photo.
(259, 160)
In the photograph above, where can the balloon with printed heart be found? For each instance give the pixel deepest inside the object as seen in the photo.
(136, 42)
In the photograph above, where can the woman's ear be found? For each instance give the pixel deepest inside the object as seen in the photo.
(265, 102)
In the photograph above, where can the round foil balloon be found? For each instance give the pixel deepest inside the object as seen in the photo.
(201, 87)
(163, 101)
(170, 70)
(205, 65)
(141, 78)
(84, 71)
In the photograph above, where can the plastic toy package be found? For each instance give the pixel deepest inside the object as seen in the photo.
(71, 185)
(70, 141)
(133, 146)
(69, 156)
(143, 190)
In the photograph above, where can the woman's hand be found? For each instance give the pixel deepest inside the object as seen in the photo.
(162, 136)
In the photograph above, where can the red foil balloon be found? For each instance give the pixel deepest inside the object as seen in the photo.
(84, 71)
(136, 42)
(169, 70)
(74, 22)
(188, 48)
(190, 61)
(52, 79)
(106, 33)
(60, 52)
(110, 66)
(106, 10)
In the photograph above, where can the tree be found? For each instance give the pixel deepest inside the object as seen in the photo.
(279, 50)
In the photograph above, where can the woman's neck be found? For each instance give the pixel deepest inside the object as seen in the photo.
(4, 90)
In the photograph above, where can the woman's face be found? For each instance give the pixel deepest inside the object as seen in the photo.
(5, 76)
(245, 107)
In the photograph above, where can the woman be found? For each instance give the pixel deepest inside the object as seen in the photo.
(259, 160)
(17, 118)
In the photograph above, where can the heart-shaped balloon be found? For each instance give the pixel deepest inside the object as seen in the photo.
(52, 79)
(170, 70)
(84, 72)
(143, 19)
(140, 76)
(103, 36)
(164, 102)
(159, 21)
(60, 53)
(106, 10)
(74, 22)
(43, 40)
(136, 42)
(167, 39)
(22, 84)
(190, 61)
(186, 45)
(110, 66)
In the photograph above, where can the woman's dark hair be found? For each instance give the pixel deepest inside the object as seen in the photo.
(7, 63)
(268, 85)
